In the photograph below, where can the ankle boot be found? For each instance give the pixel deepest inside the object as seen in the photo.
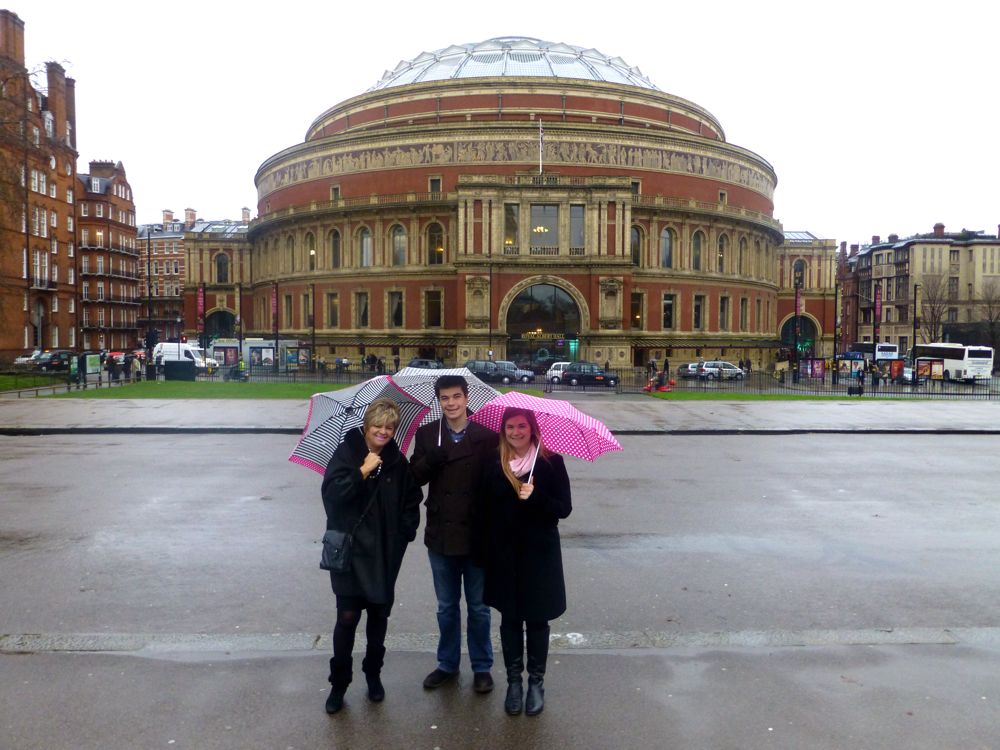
(538, 652)
(372, 667)
(341, 673)
(513, 658)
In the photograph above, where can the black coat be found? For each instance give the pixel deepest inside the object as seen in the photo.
(523, 560)
(453, 472)
(387, 528)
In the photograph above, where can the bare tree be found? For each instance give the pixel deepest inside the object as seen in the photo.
(989, 306)
(933, 302)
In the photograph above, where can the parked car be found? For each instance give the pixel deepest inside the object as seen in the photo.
(55, 360)
(554, 373)
(488, 371)
(588, 373)
(688, 371)
(515, 372)
(28, 360)
(426, 364)
(718, 370)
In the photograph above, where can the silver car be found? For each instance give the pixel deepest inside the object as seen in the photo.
(718, 370)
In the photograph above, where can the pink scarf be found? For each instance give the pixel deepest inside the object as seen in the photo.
(521, 466)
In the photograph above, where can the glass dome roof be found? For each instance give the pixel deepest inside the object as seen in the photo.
(513, 56)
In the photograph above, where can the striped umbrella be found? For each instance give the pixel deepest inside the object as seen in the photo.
(333, 414)
(564, 428)
(419, 384)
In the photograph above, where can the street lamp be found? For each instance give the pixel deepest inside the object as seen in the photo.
(913, 346)
(312, 324)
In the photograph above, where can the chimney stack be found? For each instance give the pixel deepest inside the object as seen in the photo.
(854, 249)
(12, 37)
(168, 216)
(190, 217)
(893, 238)
(939, 230)
(876, 239)
(246, 215)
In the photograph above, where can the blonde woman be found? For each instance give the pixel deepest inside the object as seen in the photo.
(368, 478)
(525, 499)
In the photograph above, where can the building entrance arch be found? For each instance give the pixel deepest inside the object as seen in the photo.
(807, 335)
(543, 321)
(220, 324)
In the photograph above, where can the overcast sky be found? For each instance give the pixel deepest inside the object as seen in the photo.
(878, 117)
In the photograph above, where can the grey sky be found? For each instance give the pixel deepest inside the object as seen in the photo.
(878, 117)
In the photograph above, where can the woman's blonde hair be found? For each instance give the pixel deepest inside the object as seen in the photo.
(507, 453)
(382, 412)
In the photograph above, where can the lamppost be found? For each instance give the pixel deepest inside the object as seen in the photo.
(913, 347)
(312, 325)
(150, 367)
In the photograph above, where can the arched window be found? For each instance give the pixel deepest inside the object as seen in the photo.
(221, 268)
(335, 260)
(758, 260)
(311, 251)
(365, 252)
(667, 248)
(265, 257)
(696, 243)
(290, 251)
(435, 245)
(398, 246)
(723, 247)
(743, 255)
(636, 245)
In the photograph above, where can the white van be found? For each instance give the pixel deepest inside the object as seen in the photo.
(172, 352)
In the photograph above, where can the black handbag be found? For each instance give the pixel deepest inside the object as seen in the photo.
(337, 545)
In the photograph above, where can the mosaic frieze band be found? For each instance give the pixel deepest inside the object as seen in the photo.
(442, 153)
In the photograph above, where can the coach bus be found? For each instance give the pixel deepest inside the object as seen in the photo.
(877, 352)
(961, 362)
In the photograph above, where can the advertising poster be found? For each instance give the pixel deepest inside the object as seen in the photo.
(844, 367)
(819, 368)
(93, 364)
(924, 369)
(937, 369)
(261, 356)
(227, 355)
(303, 357)
(857, 365)
(896, 369)
(292, 358)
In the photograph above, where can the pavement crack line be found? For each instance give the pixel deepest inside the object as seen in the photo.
(164, 644)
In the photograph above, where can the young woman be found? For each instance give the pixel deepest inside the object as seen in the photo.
(368, 475)
(520, 543)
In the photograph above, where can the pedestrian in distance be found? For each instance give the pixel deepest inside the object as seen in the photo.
(527, 492)
(395, 363)
(368, 478)
(449, 455)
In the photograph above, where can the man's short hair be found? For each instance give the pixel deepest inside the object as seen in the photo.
(450, 381)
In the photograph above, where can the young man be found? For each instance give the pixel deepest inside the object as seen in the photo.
(450, 454)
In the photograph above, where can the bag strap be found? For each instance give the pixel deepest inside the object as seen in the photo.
(364, 513)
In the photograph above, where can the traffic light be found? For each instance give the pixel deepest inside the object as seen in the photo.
(184, 338)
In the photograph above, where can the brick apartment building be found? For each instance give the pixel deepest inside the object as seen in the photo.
(107, 259)
(37, 179)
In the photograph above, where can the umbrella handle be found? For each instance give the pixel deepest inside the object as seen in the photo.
(439, 430)
(532, 472)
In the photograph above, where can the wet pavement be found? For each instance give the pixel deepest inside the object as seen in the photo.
(727, 590)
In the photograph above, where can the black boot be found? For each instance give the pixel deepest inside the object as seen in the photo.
(372, 667)
(341, 673)
(513, 659)
(538, 652)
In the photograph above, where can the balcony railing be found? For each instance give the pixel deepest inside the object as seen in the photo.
(40, 283)
(544, 250)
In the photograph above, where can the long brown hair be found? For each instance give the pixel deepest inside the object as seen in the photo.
(506, 452)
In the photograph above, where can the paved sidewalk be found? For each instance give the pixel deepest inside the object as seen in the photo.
(622, 414)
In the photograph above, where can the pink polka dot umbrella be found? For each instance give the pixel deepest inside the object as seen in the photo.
(564, 428)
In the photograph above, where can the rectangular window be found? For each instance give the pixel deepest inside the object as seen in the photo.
(99, 237)
(952, 314)
(434, 184)
(84, 209)
(335, 193)
(332, 310)
(85, 291)
(55, 303)
(953, 287)
(698, 316)
(95, 185)
(576, 233)
(69, 223)
(361, 309)
(287, 310)
(636, 312)
(724, 313)
(744, 313)
(433, 312)
(100, 264)
(544, 225)
(395, 309)
(100, 290)
(511, 227)
(99, 210)
(668, 311)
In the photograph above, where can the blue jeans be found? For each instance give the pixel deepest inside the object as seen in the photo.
(448, 572)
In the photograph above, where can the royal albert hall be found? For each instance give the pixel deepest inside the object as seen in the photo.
(532, 199)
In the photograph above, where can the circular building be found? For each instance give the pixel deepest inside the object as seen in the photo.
(534, 200)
